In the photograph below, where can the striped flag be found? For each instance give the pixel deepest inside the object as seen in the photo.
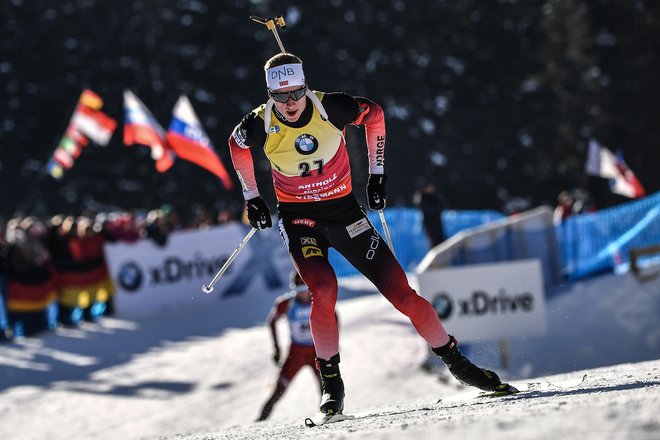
(87, 123)
(190, 142)
(140, 127)
(94, 124)
(603, 163)
(90, 121)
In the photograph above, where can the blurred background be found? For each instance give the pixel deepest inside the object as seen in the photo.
(493, 102)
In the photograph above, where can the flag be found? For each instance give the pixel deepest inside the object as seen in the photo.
(94, 124)
(72, 144)
(66, 153)
(91, 100)
(90, 121)
(603, 163)
(75, 136)
(55, 169)
(189, 141)
(87, 123)
(62, 157)
(140, 127)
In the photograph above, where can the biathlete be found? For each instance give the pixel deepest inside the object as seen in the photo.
(302, 134)
(296, 305)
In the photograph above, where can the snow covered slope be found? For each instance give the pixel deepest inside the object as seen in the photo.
(186, 376)
(615, 402)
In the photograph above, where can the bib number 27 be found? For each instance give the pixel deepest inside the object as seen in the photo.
(305, 168)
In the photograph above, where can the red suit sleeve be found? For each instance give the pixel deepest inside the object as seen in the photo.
(244, 165)
(372, 117)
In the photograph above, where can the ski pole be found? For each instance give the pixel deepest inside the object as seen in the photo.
(271, 24)
(386, 229)
(208, 288)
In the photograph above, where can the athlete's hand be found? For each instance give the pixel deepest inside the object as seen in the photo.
(258, 213)
(376, 191)
(276, 355)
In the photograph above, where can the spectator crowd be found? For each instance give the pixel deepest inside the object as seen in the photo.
(53, 271)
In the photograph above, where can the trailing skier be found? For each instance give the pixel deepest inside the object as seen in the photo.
(296, 306)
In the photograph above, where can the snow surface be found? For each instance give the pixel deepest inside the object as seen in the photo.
(185, 376)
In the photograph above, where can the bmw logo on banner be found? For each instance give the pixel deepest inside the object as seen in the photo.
(306, 144)
(443, 305)
(130, 276)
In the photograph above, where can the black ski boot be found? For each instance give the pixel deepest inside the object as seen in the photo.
(332, 386)
(465, 371)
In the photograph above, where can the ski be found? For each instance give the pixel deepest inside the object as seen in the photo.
(504, 389)
(325, 419)
(508, 390)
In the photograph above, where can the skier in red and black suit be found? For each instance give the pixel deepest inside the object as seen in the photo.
(296, 305)
(302, 134)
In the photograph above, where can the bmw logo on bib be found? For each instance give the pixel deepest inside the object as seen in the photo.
(306, 144)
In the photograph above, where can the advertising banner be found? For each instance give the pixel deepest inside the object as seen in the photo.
(488, 301)
(151, 278)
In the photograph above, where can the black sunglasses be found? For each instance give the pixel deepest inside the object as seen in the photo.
(284, 96)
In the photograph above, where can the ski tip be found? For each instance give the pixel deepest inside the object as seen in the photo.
(510, 389)
(326, 419)
(503, 389)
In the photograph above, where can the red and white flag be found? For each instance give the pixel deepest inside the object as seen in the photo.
(190, 142)
(90, 121)
(87, 123)
(140, 127)
(603, 163)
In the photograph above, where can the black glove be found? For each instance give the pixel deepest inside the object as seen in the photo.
(276, 355)
(258, 213)
(376, 191)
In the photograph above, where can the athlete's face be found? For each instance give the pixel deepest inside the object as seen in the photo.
(291, 110)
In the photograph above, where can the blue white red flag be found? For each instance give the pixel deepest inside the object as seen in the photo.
(603, 163)
(140, 127)
(189, 141)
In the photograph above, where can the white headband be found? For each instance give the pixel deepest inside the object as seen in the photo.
(285, 75)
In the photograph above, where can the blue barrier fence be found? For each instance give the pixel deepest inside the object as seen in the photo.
(599, 241)
(3, 310)
(408, 237)
(588, 243)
